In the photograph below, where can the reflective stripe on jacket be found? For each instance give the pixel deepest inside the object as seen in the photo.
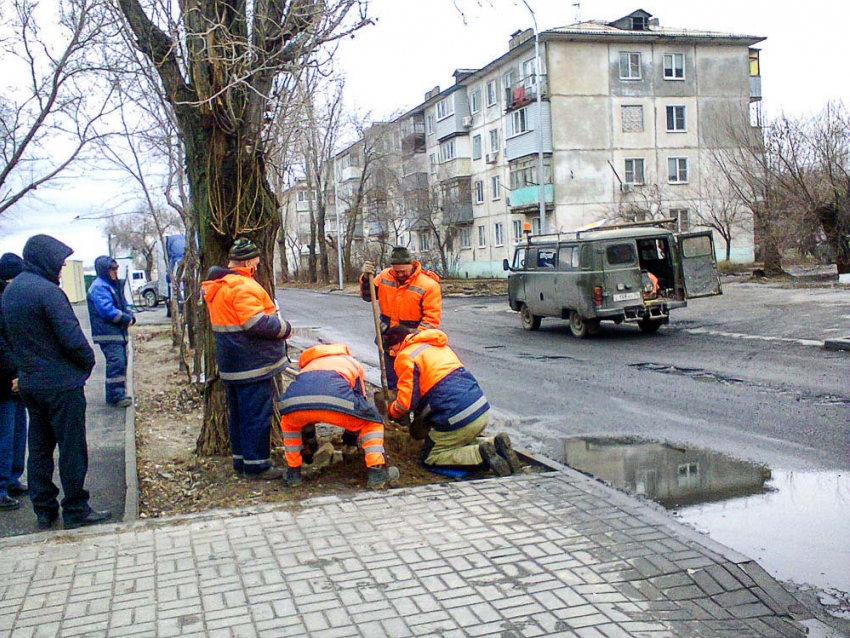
(417, 303)
(330, 379)
(433, 383)
(108, 312)
(249, 333)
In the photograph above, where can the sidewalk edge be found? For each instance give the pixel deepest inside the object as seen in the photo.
(131, 476)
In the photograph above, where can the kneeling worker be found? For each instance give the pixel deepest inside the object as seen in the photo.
(330, 389)
(434, 385)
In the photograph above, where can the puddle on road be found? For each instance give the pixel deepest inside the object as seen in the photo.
(795, 524)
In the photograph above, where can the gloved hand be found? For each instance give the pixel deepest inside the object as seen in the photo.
(381, 403)
(403, 420)
(368, 268)
(419, 429)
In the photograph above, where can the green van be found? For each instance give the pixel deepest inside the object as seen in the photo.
(634, 273)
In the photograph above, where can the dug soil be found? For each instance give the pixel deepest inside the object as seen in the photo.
(174, 480)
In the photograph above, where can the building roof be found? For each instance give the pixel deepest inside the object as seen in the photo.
(604, 31)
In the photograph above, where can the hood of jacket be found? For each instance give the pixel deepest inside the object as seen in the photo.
(322, 350)
(101, 267)
(10, 266)
(215, 280)
(44, 256)
(432, 336)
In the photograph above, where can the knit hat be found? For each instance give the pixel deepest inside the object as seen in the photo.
(400, 255)
(243, 249)
(395, 335)
(10, 266)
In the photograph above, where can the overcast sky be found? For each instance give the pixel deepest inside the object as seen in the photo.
(417, 44)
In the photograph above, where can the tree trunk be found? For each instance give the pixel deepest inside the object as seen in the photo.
(837, 237)
(312, 261)
(324, 268)
(284, 261)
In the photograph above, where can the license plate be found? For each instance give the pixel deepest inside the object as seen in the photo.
(627, 296)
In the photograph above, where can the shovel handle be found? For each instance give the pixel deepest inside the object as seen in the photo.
(378, 337)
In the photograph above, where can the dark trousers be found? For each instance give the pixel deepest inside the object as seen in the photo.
(392, 377)
(57, 417)
(251, 410)
(13, 441)
(115, 354)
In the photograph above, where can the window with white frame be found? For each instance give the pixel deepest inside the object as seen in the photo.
(629, 65)
(346, 161)
(479, 192)
(524, 172)
(535, 226)
(632, 118)
(433, 158)
(429, 124)
(517, 229)
(445, 108)
(424, 240)
(495, 187)
(519, 121)
(508, 78)
(492, 93)
(677, 170)
(447, 151)
(498, 234)
(634, 171)
(676, 119)
(494, 140)
(674, 66)
(475, 101)
(476, 147)
(465, 237)
(528, 68)
(683, 219)
(482, 236)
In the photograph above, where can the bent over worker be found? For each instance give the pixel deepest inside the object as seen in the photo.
(434, 385)
(330, 389)
(250, 351)
(407, 296)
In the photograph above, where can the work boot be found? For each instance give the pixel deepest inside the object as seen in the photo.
(124, 402)
(293, 476)
(379, 477)
(493, 460)
(269, 474)
(503, 447)
(94, 516)
(8, 503)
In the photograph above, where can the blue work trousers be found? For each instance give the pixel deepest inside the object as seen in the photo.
(13, 442)
(392, 377)
(57, 417)
(251, 412)
(115, 354)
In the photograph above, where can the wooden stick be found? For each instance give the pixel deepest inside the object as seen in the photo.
(379, 338)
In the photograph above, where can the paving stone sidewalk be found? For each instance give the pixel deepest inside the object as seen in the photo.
(551, 554)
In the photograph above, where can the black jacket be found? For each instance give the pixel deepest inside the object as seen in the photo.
(49, 346)
(8, 369)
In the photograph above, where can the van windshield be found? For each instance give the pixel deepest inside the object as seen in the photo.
(620, 254)
(519, 259)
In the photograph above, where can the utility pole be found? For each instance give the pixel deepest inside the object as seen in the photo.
(541, 191)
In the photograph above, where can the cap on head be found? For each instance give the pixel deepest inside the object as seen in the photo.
(10, 266)
(395, 335)
(243, 249)
(400, 255)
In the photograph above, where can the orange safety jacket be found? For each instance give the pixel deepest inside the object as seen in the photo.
(249, 333)
(433, 383)
(417, 303)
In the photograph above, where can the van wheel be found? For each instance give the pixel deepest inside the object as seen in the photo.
(150, 298)
(581, 327)
(648, 326)
(529, 321)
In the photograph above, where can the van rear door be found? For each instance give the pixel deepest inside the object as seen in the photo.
(622, 273)
(699, 265)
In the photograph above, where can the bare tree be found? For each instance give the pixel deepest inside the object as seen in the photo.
(722, 210)
(47, 123)
(138, 232)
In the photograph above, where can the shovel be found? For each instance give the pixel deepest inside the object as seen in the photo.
(379, 340)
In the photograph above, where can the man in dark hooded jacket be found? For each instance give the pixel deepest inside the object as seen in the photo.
(110, 318)
(54, 360)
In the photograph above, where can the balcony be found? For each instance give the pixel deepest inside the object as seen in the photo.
(415, 181)
(302, 207)
(526, 199)
(349, 173)
(453, 169)
(755, 88)
(457, 214)
(524, 91)
(413, 136)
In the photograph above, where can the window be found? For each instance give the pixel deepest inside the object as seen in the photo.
(424, 240)
(634, 171)
(482, 236)
(433, 158)
(528, 68)
(499, 233)
(535, 226)
(429, 122)
(479, 192)
(754, 63)
(476, 147)
(620, 254)
(677, 170)
(495, 187)
(632, 119)
(546, 258)
(676, 119)
(494, 140)
(508, 79)
(445, 108)
(447, 151)
(687, 475)
(524, 172)
(519, 259)
(568, 258)
(629, 66)
(674, 66)
(492, 93)
(517, 230)
(519, 121)
(465, 240)
(475, 101)
(683, 219)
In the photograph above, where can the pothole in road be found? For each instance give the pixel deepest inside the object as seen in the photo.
(795, 524)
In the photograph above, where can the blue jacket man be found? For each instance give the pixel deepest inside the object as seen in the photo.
(54, 360)
(110, 318)
(13, 414)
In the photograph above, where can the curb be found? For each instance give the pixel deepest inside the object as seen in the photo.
(131, 476)
(837, 344)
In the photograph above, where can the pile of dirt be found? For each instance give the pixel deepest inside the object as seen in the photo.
(174, 480)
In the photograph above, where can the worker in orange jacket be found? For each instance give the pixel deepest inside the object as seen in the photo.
(330, 389)
(407, 296)
(434, 385)
(250, 350)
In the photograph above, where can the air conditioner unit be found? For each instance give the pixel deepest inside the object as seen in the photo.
(467, 122)
(492, 158)
(626, 188)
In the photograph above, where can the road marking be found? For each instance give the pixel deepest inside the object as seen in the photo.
(738, 335)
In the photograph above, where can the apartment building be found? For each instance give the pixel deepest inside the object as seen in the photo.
(628, 117)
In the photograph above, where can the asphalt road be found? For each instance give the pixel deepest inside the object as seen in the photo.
(740, 374)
